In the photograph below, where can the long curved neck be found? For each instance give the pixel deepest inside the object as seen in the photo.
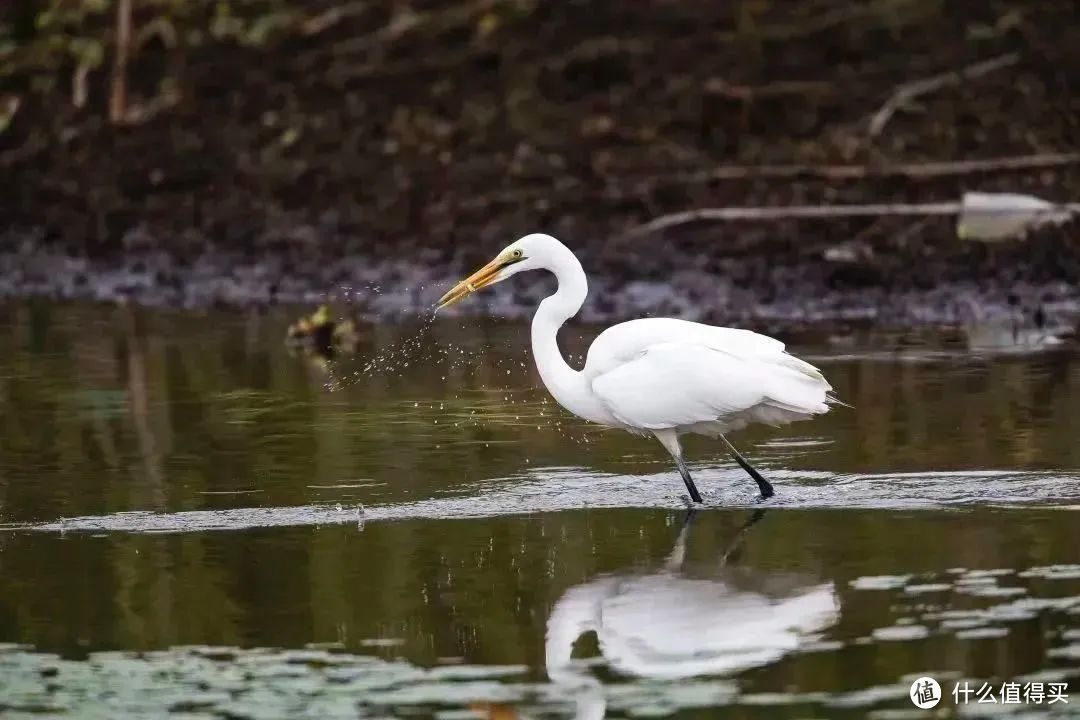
(564, 383)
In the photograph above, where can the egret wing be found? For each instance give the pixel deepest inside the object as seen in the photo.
(626, 341)
(680, 384)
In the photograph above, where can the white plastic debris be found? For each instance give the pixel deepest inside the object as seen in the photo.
(1000, 216)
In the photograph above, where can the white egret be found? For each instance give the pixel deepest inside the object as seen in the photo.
(657, 376)
(719, 624)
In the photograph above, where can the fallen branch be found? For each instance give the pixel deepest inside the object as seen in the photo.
(405, 22)
(836, 17)
(915, 171)
(823, 212)
(79, 91)
(791, 212)
(142, 112)
(624, 185)
(778, 88)
(912, 90)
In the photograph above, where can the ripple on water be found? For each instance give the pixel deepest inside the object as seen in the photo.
(1053, 572)
(880, 582)
(559, 489)
(901, 632)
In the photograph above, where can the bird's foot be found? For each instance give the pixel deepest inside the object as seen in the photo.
(764, 486)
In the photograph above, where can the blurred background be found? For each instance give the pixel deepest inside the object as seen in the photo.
(243, 152)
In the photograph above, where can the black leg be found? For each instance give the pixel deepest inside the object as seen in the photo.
(763, 484)
(690, 486)
(678, 553)
(736, 542)
(670, 440)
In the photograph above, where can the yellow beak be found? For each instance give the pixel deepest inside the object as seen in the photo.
(480, 279)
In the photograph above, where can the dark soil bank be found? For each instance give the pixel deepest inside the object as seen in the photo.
(388, 146)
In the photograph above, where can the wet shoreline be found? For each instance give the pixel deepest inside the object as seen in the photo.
(763, 289)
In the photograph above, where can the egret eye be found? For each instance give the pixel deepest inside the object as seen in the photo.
(516, 254)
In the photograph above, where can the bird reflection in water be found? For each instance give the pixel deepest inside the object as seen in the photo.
(667, 625)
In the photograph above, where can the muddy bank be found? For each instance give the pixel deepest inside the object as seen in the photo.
(410, 141)
(807, 279)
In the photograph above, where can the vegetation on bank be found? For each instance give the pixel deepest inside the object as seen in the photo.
(334, 127)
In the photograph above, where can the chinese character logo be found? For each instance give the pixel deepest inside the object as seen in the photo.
(1033, 693)
(925, 693)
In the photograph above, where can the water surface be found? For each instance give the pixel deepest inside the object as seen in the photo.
(194, 526)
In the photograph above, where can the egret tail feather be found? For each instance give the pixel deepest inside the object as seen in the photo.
(831, 399)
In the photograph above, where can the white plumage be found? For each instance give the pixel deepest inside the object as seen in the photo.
(658, 376)
(713, 627)
(658, 373)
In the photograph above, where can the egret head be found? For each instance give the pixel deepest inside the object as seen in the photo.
(529, 253)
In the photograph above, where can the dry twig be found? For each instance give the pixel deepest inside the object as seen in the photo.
(118, 96)
(1006, 209)
(912, 90)
(329, 18)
